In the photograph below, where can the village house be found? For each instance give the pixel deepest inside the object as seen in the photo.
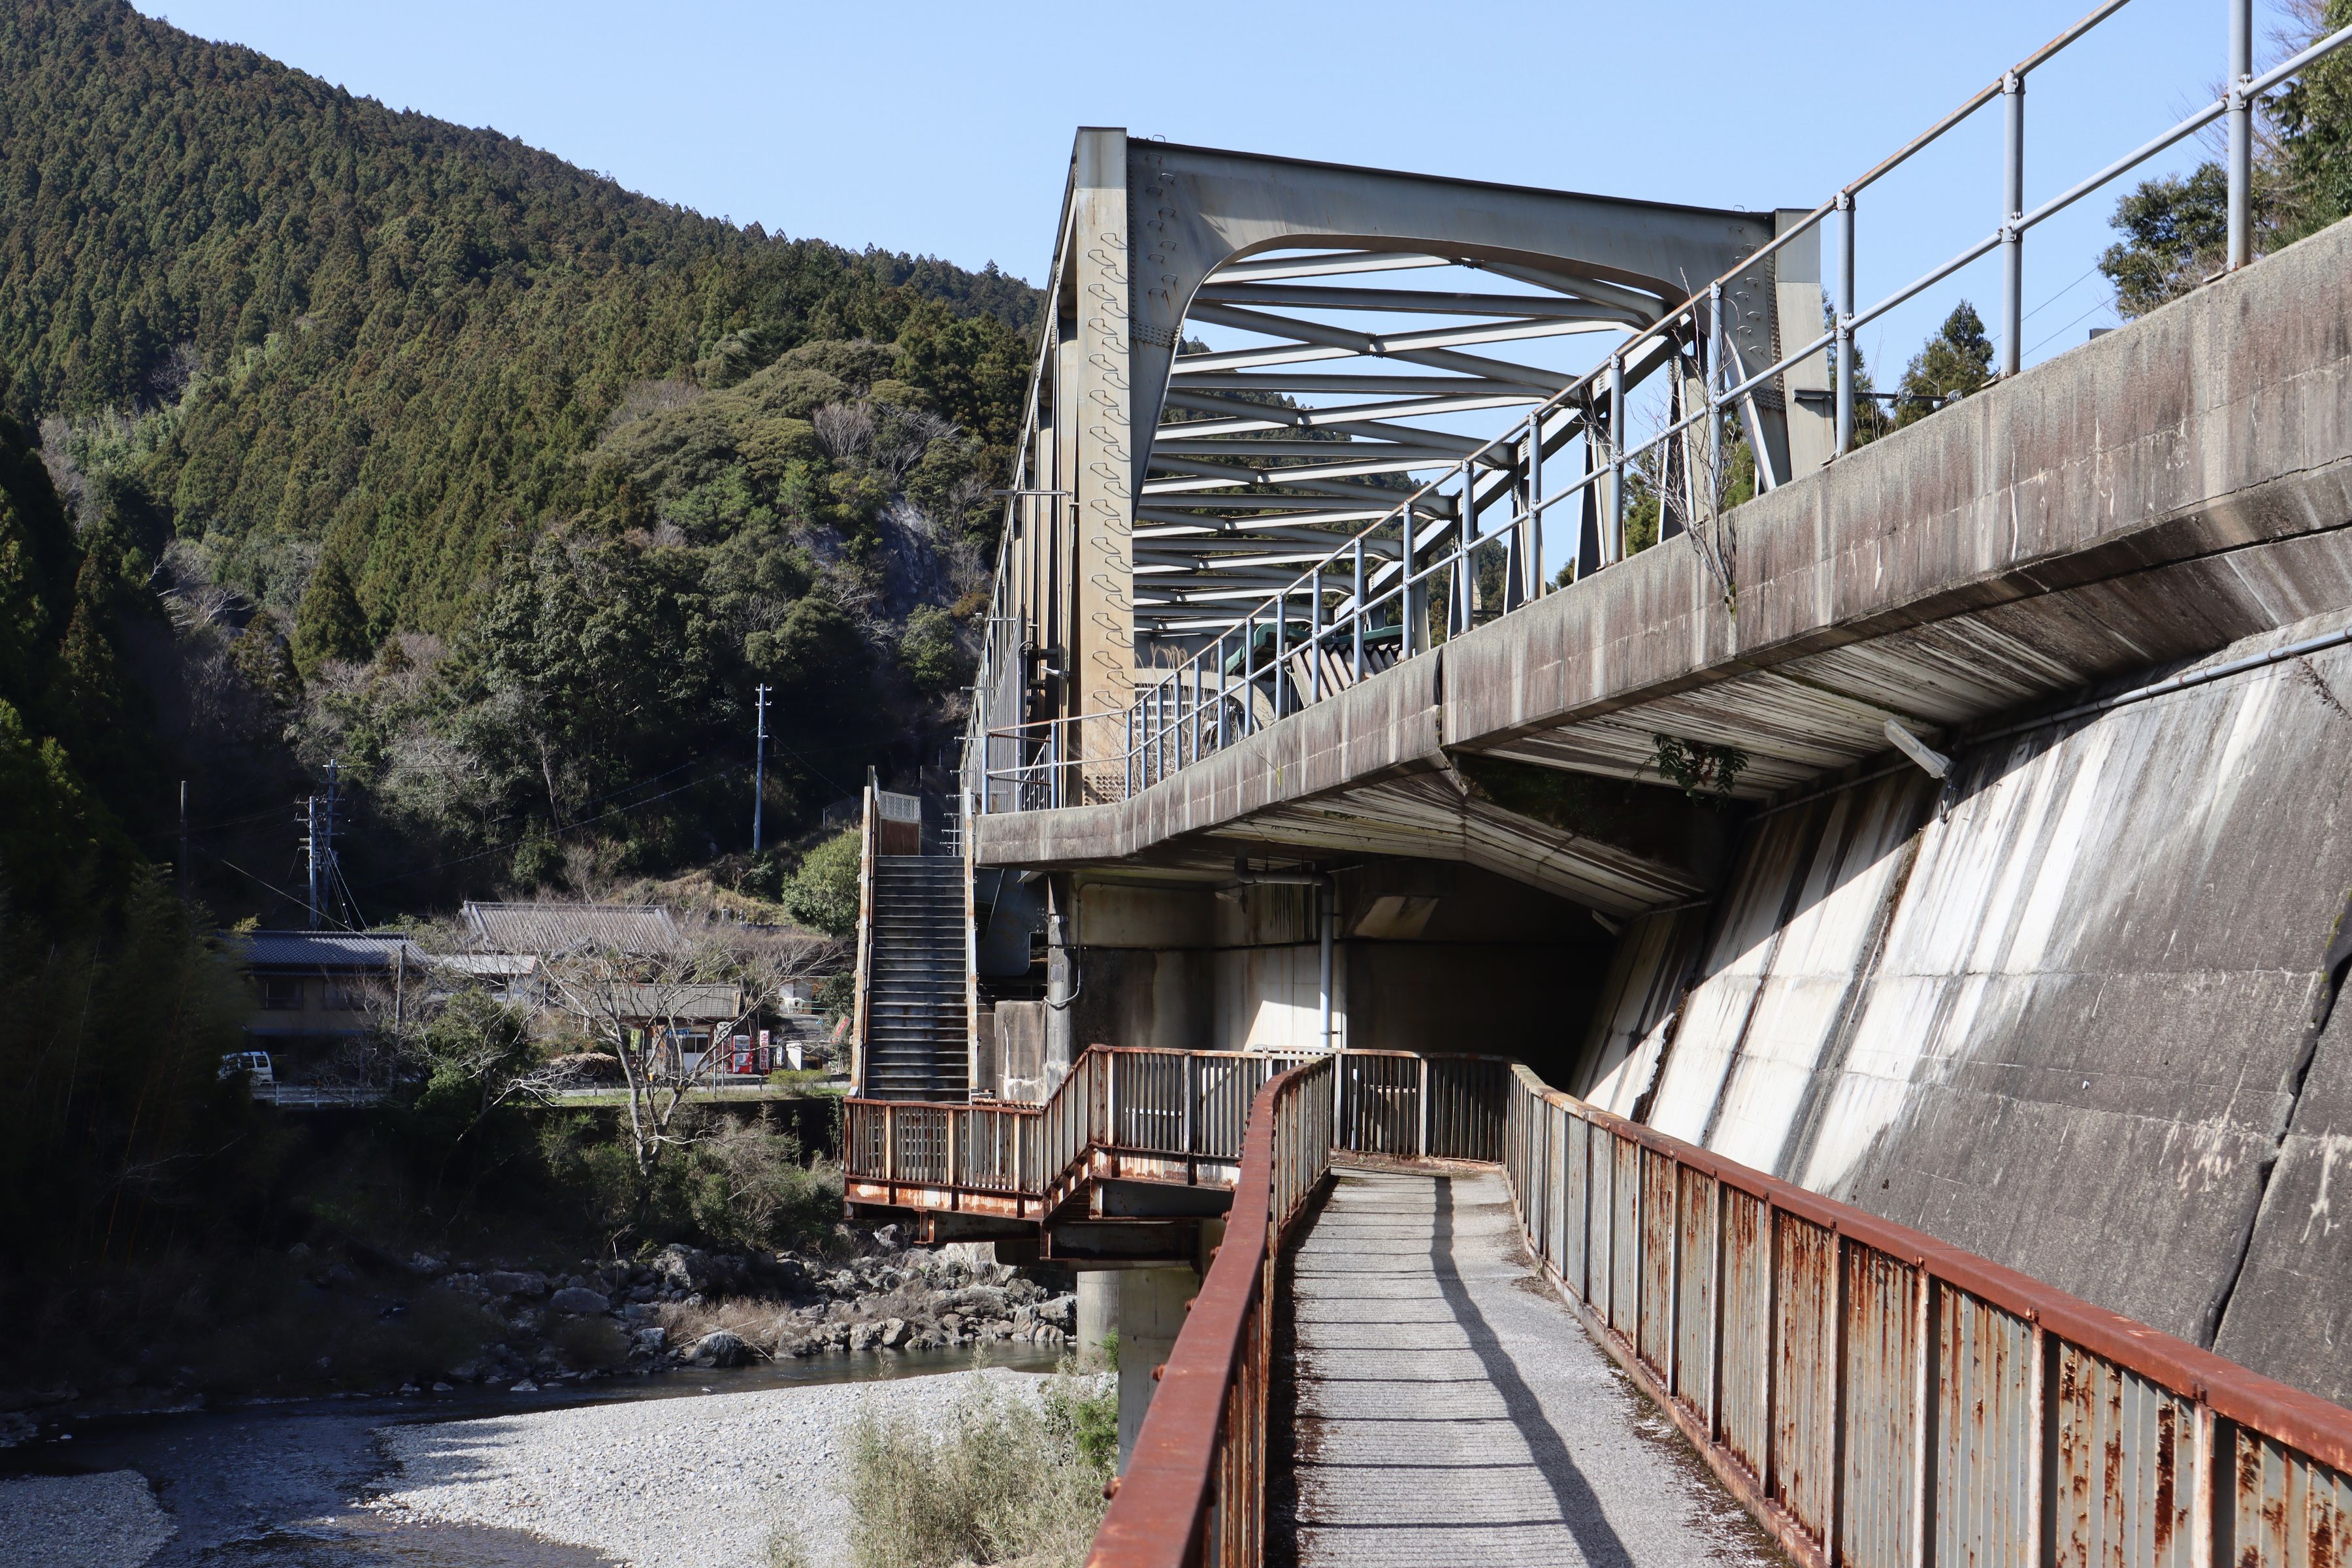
(315, 998)
(321, 999)
(672, 1025)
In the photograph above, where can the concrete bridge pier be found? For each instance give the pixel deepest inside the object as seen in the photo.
(1144, 1308)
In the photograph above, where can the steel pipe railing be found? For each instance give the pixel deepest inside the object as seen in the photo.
(1380, 600)
(1878, 1398)
(1874, 1396)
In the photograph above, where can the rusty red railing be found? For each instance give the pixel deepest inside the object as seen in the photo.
(1149, 1114)
(1194, 1489)
(1879, 1399)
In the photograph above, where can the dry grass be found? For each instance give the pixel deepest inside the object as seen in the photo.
(762, 1325)
(999, 1479)
(767, 1327)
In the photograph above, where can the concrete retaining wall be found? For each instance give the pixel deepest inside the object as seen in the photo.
(2053, 1011)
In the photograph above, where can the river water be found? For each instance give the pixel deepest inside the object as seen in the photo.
(281, 1486)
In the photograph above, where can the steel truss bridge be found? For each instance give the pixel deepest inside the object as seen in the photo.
(1292, 423)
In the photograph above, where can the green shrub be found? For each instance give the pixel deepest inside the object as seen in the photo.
(929, 653)
(823, 894)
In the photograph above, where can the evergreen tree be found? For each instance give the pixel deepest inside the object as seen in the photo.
(2310, 174)
(330, 624)
(2176, 228)
(379, 327)
(1956, 361)
(2176, 235)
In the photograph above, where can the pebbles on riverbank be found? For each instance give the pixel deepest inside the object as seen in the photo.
(109, 1521)
(695, 1483)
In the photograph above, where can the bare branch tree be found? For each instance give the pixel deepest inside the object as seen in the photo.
(637, 1009)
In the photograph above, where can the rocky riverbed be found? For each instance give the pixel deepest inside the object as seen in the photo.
(684, 1306)
(426, 1324)
(559, 1477)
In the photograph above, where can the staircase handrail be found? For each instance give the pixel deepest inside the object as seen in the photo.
(865, 934)
(971, 947)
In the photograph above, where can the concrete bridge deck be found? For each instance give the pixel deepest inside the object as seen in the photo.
(1450, 1410)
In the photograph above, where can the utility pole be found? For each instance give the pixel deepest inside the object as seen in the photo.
(310, 852)
(319, 845)
(759, 769)
(183, 841)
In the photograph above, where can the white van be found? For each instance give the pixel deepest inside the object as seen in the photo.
(255, 1065)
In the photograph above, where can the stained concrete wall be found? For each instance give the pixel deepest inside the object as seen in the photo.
(1636, 1011)
(1424, 952)
(2052, 1011)
(2292, 1304)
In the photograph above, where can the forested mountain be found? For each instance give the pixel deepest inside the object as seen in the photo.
(499, 485)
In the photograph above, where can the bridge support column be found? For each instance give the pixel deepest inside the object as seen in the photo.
(1062, 981)
(1098, 1310)
(1145, 1306)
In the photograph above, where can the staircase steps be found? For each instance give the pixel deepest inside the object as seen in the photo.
(916, 1023)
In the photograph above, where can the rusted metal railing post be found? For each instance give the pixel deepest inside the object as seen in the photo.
(1421, 1141)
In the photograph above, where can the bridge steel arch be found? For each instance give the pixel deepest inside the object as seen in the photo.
(1161, 485)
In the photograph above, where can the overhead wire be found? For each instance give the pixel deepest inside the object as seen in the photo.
(2061, 332)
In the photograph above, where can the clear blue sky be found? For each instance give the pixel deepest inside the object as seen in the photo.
(946, 129)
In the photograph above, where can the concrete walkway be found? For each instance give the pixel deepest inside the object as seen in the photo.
(1450, 1410)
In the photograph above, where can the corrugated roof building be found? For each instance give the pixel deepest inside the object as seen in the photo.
(325, 950)
(638, 930)
(324, 986)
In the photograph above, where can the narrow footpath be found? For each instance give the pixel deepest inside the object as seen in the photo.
(1450, 1410)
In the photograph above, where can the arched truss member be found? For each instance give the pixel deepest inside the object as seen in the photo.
(1360, 323)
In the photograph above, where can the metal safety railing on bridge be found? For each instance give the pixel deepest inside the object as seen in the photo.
(1874, 1397)
(1411, 580)
(1145, 1114)
(1878, 1398)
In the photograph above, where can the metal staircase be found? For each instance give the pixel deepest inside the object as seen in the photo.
(916, 1019)
(914, 962)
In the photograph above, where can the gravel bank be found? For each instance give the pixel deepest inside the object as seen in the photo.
(694, 1483)
(109, 1521)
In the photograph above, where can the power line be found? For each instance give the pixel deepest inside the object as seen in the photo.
(2060, 294)
(2070, 326)
(270, 887)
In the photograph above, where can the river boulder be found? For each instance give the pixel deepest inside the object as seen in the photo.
(721, 1347)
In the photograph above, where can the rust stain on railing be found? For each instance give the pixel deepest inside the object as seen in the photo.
(1874, 1397)
(1194, 1489)
(1879, 1399)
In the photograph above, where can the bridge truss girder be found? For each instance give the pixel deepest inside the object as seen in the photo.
(1166, 485)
